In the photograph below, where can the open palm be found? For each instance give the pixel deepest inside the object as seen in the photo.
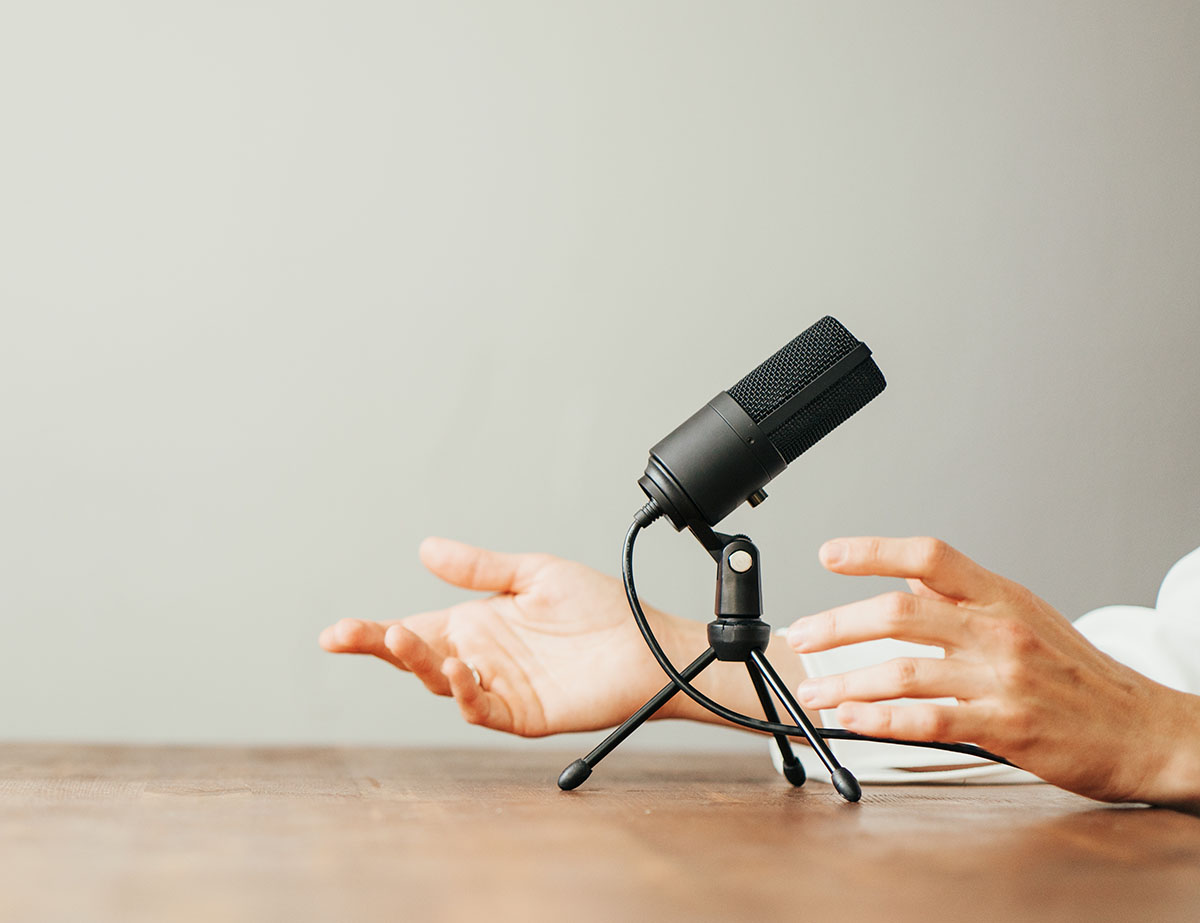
(555, 647)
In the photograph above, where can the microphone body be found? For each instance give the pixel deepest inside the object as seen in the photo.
(726, 452)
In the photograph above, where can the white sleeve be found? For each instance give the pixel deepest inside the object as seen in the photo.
(1162, 643)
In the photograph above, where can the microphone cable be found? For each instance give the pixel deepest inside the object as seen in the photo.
(644, 517)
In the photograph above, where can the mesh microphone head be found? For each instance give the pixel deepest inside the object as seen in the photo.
(795, 367)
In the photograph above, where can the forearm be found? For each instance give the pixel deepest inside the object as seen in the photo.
(727, 683)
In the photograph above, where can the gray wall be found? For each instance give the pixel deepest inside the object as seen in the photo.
(287, 286)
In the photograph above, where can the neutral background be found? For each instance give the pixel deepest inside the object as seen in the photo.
(287, 286)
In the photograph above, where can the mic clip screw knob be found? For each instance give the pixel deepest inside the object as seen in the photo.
(741, 561)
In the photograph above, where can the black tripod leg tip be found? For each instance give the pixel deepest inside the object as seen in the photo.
(794, 774)
(575, 775)
(845, 783)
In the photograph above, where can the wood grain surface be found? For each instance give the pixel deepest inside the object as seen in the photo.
(100, 833)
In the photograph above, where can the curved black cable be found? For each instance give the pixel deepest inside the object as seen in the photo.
(645, 516)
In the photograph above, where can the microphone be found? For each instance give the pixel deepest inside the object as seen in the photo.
(731, 447)
(720, 457)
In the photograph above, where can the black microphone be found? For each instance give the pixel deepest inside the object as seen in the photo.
(721, 456)
(729, 449)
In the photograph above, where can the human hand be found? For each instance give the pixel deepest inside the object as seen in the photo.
(1029, 686)
(555, 647)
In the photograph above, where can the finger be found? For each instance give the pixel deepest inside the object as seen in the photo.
(946, 723)
(940, 567)
(478, 706)
(905, 677)
(477, 568)
(410, 650)
(892, 615)
(359, 636)
(917, 588)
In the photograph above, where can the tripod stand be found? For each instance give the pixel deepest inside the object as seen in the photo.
(737, 634)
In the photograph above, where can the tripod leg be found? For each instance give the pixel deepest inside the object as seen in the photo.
(843, 779)
(793, 771)
(575, 774)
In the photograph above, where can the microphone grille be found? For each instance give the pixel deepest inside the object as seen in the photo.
(792, 369)
(830, 410)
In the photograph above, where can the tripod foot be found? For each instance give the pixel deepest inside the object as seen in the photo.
(843, 781)
(576, 774)
(794, 773)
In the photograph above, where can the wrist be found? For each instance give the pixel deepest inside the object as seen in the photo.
(726, 682)
(682, 640)
(1177, 782)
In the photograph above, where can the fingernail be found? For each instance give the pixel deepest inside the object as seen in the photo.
(809, 692)
(833, 552)
(798, 635)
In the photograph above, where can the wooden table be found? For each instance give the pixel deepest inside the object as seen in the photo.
(97, 833)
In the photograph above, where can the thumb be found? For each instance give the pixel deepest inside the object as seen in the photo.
(476, 568)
